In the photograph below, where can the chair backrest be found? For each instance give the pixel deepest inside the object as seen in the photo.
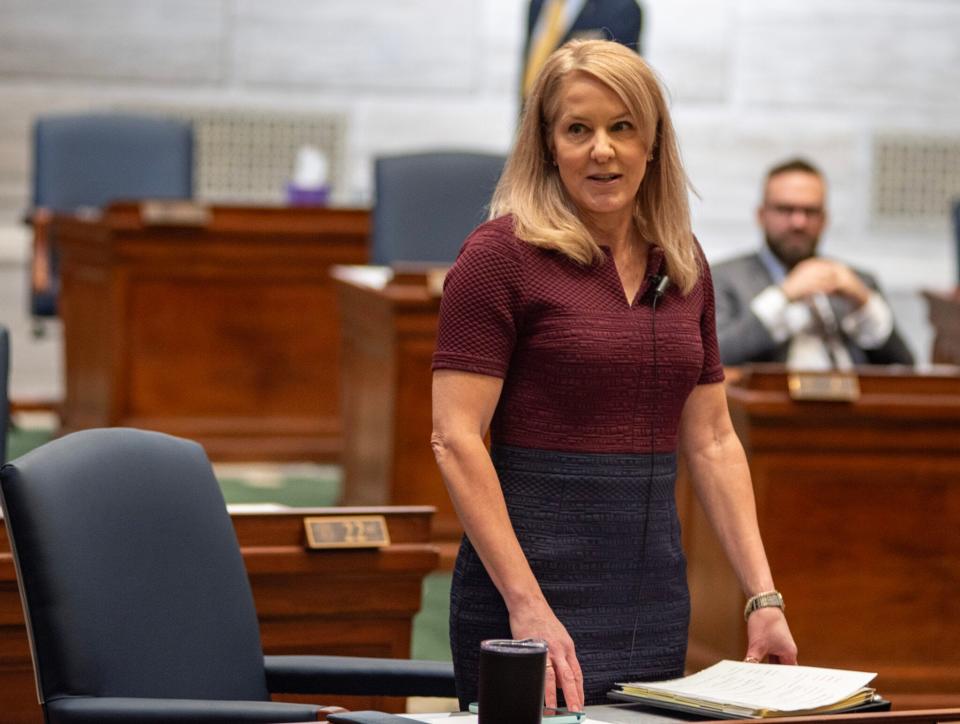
(4, 394)
(427, 203)
(90, 160)
(129, 570)
(93, 159)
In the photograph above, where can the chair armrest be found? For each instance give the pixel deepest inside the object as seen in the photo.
(43, 282)
(358, 675)
(117, 710)
(40, 221)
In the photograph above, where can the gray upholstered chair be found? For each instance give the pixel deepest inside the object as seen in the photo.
(137, 600)
(427, 203)
(4, 393)
(90, 160)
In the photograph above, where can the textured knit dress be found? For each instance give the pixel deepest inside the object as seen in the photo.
(584, 441)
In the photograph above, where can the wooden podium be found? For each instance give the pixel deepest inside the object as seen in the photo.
(944, 312)
(211, 323)
(353, 602)
(859, 507)
(389, 334)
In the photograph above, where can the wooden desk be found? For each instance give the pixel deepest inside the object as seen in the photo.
(352, 602)
(18, 693)
(389, 334)
(221, 331)
(944, 309)
(636, 714)
(859, 506)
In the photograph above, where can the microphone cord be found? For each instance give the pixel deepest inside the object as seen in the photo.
(657, 293)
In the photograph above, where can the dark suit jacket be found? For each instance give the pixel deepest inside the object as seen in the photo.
(742, 336)
(618, 20)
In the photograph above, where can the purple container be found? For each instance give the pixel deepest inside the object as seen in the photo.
(297, 196)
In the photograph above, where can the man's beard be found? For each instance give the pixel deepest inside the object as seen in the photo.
(792, 248)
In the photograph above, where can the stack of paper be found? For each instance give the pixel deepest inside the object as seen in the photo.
(735, 689)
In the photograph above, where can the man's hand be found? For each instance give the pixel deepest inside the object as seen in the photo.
(824, 276)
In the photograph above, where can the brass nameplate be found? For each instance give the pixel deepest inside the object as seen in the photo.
(174, 213)
(347, 531)
(833, 386)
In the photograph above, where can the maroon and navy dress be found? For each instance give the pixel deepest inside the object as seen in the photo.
(584, 441)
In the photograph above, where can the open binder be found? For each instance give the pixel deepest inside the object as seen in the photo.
(738, 690)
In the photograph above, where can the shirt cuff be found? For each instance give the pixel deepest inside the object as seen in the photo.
(871, 325)
(781, 318)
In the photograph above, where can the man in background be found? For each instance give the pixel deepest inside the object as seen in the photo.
(786, 304)
(551, 23)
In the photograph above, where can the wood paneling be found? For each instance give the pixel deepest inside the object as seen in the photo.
(351, 602)
(389, 334)
(858, 505)
(224, 333)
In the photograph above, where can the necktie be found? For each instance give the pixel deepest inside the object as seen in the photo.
(544, 43)
(827, 328)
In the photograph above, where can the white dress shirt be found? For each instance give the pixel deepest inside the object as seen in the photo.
(812, 327)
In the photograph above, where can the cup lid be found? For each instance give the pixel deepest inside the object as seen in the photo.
(514, 646)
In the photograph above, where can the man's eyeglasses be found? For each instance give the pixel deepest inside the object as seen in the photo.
(786, 210)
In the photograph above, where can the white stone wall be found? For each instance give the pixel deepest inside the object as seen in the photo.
(752, 81)
(410, 74)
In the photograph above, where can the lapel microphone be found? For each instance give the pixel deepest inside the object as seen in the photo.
(660, 286)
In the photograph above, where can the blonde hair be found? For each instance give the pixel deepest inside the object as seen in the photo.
(530, 187)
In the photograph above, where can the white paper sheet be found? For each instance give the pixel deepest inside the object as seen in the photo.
(766, 686)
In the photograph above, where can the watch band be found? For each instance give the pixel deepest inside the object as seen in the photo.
(763, 600)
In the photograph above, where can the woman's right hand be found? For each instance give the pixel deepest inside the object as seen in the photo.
(463, 405)
(537, 621)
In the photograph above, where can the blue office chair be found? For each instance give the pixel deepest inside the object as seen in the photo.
(427, 203)
(90, 160)
(4, 394)
(136, 596)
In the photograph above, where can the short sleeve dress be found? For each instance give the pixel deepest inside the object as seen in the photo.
(584, 441)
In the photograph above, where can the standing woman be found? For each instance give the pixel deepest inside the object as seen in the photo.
(556, 335)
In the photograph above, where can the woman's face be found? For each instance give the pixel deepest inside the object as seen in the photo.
(598, 149)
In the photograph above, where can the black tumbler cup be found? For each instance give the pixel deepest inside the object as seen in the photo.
(511, 681)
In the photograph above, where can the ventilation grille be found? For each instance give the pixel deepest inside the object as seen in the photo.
(915, 179)
(248, 156)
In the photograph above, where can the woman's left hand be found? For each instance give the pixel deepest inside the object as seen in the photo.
(769, 638)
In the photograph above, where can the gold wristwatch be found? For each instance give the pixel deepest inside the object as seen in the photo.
(763, 600)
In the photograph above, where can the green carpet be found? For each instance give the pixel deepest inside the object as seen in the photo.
(298, 486)
(431, 636)
(20, 441)
(302, 486)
